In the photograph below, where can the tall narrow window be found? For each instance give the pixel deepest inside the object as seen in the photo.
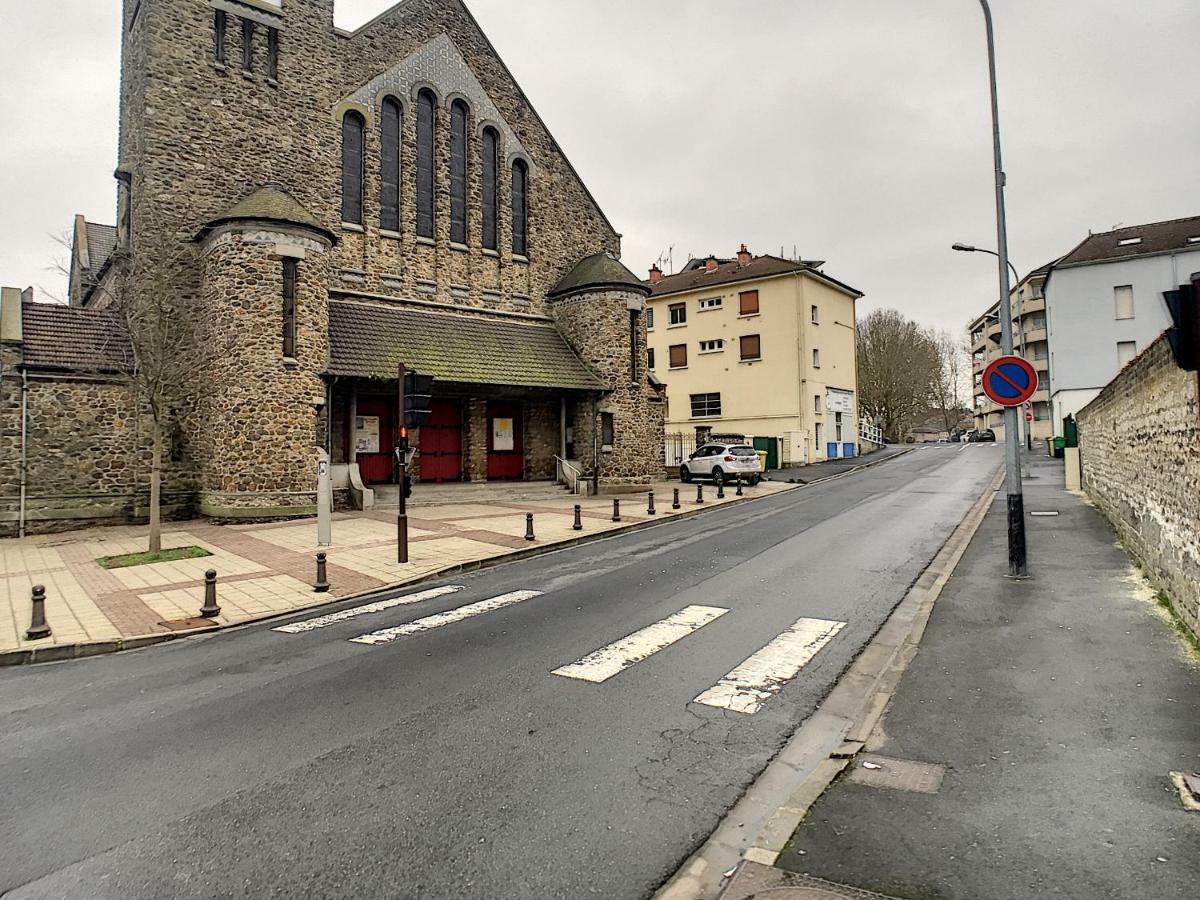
(520, 208)
(220, 19)
(247, 45)
(458, 172)
(491, 178)
(748, 303)
(426, 122)
(290, 268)
(816, 358)
(1124, 300)
(352, 168)
(273, 54)
(634, 346)
(389, 165)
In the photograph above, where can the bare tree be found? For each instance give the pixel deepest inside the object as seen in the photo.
(897, 362)
(950, 386)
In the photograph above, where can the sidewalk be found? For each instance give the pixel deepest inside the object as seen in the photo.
(1028, 748)
(266, 570)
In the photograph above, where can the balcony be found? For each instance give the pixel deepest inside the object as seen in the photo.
(1031, 306)
(993, 332)
(1037, 334)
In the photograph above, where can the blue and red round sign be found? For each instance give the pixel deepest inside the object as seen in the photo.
(1009, 380)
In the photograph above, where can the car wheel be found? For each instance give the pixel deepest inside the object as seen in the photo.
(754, 480)
(718, 477)
(684, 475)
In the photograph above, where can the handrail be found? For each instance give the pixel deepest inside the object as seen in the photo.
(564, 466)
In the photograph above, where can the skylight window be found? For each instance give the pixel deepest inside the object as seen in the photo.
(1129, 242)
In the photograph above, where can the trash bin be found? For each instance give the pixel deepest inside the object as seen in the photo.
(1059, 446)
(762, 460)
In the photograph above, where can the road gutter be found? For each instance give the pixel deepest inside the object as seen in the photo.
(760, 824)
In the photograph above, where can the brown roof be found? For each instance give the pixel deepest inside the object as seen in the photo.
(73, 339)
(371, 340)
(1157, 237)
(272, 204)
(731, 273)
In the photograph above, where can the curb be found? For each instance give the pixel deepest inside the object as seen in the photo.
(60, 652)
(758, 826)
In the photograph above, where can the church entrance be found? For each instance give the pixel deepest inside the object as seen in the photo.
(441, 443)
(373, 438)
(506, 449)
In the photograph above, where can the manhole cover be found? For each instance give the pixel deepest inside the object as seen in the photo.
(898, 774)
(754, 881)
(188, 624)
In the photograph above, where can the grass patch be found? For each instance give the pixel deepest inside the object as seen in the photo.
(146, 557)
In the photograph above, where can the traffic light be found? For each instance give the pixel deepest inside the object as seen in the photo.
(418, 398)
(1184, 335)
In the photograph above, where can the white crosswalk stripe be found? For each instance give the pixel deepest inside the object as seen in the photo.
(459, 614)
(366, 609)
(764, 674)
(608, 661)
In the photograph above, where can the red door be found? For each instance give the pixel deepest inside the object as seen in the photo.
(441, 443)
(373, 439)
(506, 451)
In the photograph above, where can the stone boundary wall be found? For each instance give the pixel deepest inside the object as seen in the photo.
(1140, 450)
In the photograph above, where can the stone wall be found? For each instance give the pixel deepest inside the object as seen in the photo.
(1140, 449)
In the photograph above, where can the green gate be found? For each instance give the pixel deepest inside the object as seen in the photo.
(771, 445)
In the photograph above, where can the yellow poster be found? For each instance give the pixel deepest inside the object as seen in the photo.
(502, 435)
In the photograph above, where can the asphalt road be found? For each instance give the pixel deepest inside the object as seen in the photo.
(451, 762)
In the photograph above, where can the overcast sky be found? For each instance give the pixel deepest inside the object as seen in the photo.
(856, 131)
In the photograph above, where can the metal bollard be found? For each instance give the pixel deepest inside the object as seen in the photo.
(738, 493)
(529, 527)
(675, 501)
(322, 585)
(699, 493)
(721, 491)
(210, 610)
(650, 510)
(616, 510)
(38, 628)
(578, 526)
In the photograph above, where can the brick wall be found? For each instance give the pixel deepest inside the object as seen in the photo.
(1140, 449)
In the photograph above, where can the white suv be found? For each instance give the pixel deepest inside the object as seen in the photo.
(722, 463)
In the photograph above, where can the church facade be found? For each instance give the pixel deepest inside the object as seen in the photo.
(338, 204)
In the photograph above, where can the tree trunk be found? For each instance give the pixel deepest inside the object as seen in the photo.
(156, 491)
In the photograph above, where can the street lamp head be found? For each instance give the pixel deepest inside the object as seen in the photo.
(963, 248)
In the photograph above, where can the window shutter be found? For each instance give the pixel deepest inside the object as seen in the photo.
(748, 303)
(678, 353)
(751, 347)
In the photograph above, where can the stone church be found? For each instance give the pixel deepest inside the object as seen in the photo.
(337, 203)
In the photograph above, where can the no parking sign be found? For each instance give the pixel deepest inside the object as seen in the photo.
(1009, 381)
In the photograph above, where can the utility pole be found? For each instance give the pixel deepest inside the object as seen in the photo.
(1017, 563)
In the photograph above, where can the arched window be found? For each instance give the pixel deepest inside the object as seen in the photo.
(520, 208)
(352, 168)
(426, 122)
(389, 165)
(490, 179)
(458, 172)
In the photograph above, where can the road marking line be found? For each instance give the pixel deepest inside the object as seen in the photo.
(365, 610)
(449, 617)
(764, 674)
(620, 655)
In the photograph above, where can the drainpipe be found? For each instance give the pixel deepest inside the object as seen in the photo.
(562, 427)
(24, 447)
(595, 447)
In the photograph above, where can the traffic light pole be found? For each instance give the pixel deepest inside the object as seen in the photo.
(402, 514)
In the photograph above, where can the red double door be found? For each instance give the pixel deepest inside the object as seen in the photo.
(506, 448)
(441, 443)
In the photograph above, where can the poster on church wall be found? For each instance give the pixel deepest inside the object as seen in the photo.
(502, 435)
(366, 434)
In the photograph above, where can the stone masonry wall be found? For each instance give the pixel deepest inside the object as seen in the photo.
(1140, 449)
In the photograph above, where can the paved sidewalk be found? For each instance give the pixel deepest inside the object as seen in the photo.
(264, 570)
(1028, 748)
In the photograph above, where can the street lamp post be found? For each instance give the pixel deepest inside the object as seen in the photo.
(1017, 563)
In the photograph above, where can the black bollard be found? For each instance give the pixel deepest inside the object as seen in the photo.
(529, 527)
(578, 526)
(738, 492)
(721, 491)
(675, 501)
(616, 510)
(322, 585)
(38, 628)
(650, 510)
(699, 493)
(210, 610)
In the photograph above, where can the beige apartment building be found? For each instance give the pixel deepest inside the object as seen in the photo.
(760, 347)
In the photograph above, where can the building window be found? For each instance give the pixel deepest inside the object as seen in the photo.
(748, 303)
(520, 208)
(1124, 301)
(837, 427)
(712, 346)
(678, 356)
(635, 346)
(290, 270)
(816, 358)
(751, 347)
(678, 313)
(711, 303)
(1126, 351)
(706, 406)
(816, 315)
(352, 168)
(649, 317)
(491, 178)
(273, 54)
(220, 21)
(818, 431)
(426, 122)
(389, 165)
(650, 357)
(817, 403)
(458, 172)
(247, 45)
(607, 431)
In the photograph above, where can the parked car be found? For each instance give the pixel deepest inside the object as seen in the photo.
(721, 463)
(982, 436)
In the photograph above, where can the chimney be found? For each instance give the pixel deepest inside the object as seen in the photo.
(710, 264)
(744, 256)
(656, 274)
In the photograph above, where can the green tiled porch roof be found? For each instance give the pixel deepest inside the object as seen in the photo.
(371, 340)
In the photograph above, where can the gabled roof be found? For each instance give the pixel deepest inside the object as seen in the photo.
(1134, 241)
(598, 272)
(73, 339)
(371, 340)
(94, 245)
(269, 204)
(696, 279)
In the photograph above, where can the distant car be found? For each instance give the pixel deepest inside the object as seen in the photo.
(982, 436)
(722, 463)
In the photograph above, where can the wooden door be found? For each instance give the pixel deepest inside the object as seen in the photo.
(441, 443)
(373, 439)
(506, 449)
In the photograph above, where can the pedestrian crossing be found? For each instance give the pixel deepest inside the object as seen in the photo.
(745, 689)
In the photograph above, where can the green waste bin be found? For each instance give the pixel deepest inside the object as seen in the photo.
(1059, 445)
